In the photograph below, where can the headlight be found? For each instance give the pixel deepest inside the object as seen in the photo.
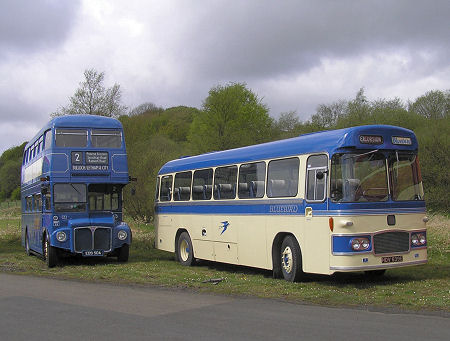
(122, 235)
(360, 244)
(61, 236)
(418, 239)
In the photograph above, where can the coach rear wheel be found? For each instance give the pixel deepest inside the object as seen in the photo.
(185, 250)
(291, 259)
(50, 253)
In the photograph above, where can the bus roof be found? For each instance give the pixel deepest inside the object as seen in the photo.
(330, 141)
(78, 121)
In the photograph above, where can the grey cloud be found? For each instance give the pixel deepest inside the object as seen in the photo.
(258, 39)
(26, 26)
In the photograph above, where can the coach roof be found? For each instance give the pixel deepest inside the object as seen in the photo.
(330, 141)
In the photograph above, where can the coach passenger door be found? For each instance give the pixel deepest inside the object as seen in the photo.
(317, 233)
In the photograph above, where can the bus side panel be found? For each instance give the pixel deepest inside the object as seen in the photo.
(316, 246)
(252, 237)
(165, 232)
(201, 232)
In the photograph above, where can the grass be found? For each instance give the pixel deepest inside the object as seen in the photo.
(421, 288)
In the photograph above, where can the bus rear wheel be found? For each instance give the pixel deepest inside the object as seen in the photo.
(185, 251)
(291, 259)
(124, 253)
(50, 253)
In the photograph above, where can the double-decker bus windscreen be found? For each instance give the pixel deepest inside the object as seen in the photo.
(71, 137)
(69, 197)
(106, 138)
(104, 197)
(364, 177)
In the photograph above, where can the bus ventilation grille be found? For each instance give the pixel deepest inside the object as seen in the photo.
(92, 238)
(391, 242)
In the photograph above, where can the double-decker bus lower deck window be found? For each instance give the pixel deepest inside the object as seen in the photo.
(69, 197)
(104, 197)
(106, 138)
(252, 180)
(71, 137)
(359, 177)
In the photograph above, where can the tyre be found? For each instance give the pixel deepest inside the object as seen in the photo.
(291, 259)
(185, 251)
(375, 273)
(50, 253)
(27, 244)
(124, 252)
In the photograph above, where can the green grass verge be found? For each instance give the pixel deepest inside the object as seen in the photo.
(425, 287)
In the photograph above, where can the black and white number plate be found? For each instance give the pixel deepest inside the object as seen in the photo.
(92, 253)
(392, 259)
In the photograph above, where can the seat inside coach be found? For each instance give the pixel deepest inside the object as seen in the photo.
(225, 191)
(282, 188)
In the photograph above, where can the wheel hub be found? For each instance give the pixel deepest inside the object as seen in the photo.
(286, 259)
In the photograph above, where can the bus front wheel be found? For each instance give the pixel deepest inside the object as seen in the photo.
(124, 253)
(291, 259)
(50, 253)
(185, 251)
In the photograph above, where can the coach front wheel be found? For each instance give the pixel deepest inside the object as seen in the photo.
(185, 251)
(291, 259)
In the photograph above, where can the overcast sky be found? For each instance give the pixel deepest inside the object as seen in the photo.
(294, 54)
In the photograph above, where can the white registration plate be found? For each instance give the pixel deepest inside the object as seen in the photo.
(92, 253)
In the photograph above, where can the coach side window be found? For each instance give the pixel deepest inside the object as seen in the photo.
(202, 184)
(29, 204)
(157, 189)
(282, 178)
(182, 186)
(225, 182)
(252, 180)
(316, 171)
(166, 188)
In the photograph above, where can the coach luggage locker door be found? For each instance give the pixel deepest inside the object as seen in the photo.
(317, 232)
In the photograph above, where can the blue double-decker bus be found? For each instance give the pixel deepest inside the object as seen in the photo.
(73, 173)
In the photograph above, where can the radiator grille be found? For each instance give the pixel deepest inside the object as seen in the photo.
(92, 238)
(391, 242)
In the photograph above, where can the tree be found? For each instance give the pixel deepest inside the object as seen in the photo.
(434, 104)
(93, 98)
(327, 116)
(232, 116)
(143, 108)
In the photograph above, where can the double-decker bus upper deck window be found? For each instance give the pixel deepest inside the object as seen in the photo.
(48, 139)
(106, 138)
(406, 181)
(282, 178)
(166, 188)
(69, 197)
(71, 137)
(252, 178)
(104, 197)
(202, 184)
(225, 182)
(359, 177)
(182, 186)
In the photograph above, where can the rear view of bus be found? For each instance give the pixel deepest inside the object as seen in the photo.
(73, 173)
